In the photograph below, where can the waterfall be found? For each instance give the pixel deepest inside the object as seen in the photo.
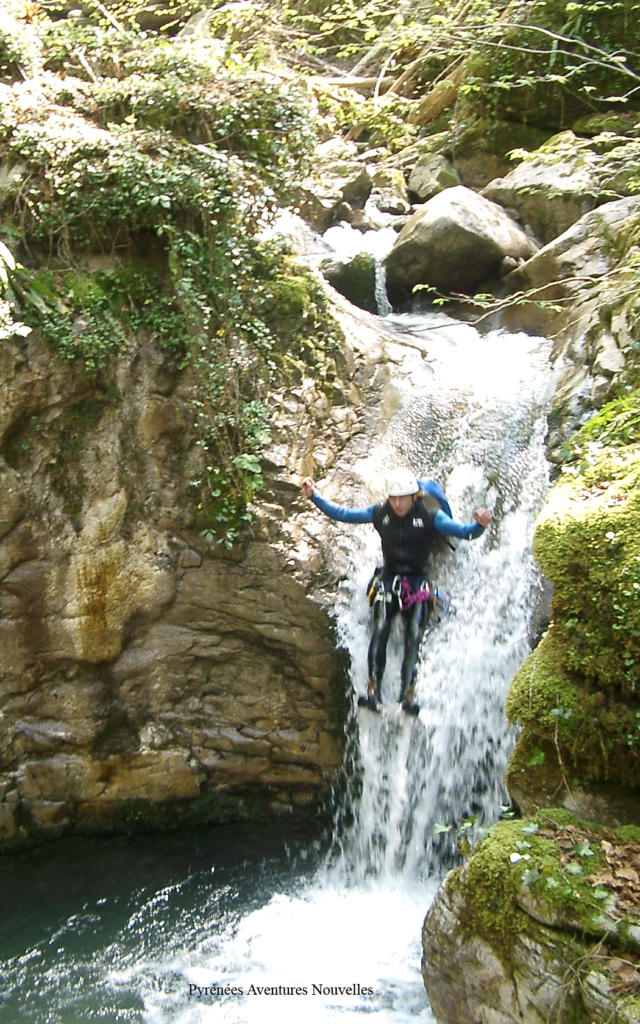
(474, 418)
(469, 411)
(345, 243)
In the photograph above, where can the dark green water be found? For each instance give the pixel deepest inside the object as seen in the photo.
(81, 917)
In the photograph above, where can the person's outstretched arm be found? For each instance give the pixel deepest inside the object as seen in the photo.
(338, 512)
(465, 531)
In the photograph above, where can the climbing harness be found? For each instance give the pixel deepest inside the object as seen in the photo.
(407, 596)
(380, 590)
(376, 590)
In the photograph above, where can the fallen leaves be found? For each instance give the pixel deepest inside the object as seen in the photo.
(626, 974)
(620, 872)
(618, 877)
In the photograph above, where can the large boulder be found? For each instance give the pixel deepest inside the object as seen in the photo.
(457, 241)
(547, 194)
(554, 186)
(589, 248)
(582, 272)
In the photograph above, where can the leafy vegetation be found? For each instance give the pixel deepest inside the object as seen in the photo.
(171, 162)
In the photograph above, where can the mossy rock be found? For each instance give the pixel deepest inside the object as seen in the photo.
(480, 141)
(616, 122)
(578, 695)
(515, 856)
(558, 903)
(288, 299)
(355, 280)
(573, 735)
(587, 543)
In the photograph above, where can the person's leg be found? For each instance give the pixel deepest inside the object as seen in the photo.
(383, 613)
(415, 623)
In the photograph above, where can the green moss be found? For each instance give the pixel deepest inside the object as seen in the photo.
(90, 317)
(586, 542)
(571, 729)
(551, 861)
(490, 890)
(578, 695)
(294, 307)
(513, 857)
(630, 832)
(288, 298)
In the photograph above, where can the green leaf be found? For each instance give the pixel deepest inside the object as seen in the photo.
(582, 849)
(537, 758)
(531, 829)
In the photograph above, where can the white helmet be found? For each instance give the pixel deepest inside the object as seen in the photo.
(401, 482)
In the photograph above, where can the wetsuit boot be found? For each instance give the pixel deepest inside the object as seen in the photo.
(407, 702)
(372, 700)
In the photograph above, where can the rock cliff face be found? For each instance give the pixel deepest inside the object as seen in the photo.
(144, 678)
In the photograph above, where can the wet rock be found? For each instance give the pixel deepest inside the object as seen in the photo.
(432, 174)
(355, 279)
(453, 243)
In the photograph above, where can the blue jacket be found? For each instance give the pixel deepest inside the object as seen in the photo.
(443, 521)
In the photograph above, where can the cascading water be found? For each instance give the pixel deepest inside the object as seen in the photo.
(334, 942)
(475, 420)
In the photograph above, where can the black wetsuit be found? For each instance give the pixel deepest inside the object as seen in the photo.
(407, 542)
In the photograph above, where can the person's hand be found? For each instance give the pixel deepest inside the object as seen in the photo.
(482, 516)
(308, 486)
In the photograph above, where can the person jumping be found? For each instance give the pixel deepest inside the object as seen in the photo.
(407, 530)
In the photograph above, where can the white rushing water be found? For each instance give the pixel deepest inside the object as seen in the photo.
(476, 422)
(348, 942)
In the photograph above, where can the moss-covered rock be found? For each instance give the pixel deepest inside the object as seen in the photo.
(536, 925)
(577, 696)
(587, 544)
(356, 280)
